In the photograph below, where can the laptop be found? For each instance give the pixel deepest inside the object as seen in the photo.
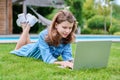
(91, 54)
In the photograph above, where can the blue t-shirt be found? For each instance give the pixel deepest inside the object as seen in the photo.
(41, 50)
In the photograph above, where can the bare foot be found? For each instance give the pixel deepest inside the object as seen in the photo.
(23, 25)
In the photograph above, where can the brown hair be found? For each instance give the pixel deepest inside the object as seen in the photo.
(53, 38)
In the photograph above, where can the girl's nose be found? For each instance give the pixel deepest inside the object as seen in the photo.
(67, 30)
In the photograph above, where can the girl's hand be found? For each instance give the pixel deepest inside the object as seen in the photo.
(65, 64)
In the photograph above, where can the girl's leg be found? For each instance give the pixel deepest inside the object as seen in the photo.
(24, 38)
(28, 36)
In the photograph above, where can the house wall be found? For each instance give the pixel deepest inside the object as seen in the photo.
(5, 17)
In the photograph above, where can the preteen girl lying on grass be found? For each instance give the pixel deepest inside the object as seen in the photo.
(53, 41)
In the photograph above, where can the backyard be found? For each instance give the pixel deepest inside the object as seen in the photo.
(13, 67)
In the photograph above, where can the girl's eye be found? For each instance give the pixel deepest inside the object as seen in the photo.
(64, 27)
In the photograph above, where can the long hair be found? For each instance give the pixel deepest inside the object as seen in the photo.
(53, 37)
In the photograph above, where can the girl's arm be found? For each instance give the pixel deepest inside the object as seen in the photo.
(45, 50)
(67, 53)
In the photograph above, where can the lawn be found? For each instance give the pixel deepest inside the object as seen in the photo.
(13, 67)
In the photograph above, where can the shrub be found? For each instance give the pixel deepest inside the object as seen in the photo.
(115, 27)
(98, 32)
(97, 22)
(117, 33)
(86, 31)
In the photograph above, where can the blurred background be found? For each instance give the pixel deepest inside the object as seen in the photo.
(93, 16)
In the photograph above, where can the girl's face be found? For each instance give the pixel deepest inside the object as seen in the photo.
(64, 28)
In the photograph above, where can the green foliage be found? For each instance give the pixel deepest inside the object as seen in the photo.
(116, 11)
(76, 9)
(50, 16)
(103, 9)
(114, 28)
(92, 31)
(96, 25)
(117, 33)
(88, 9)
(39, 29)
(86, 31)
(97, 22)
(98, 31)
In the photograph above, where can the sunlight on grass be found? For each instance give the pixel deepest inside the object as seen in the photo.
(13, 67)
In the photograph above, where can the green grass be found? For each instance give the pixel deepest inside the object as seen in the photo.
(13, 67)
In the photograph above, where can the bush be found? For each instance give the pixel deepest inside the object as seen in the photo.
(117, 33)
(99, 32)
(94, 31)
(115, 27)
(97, 22)
(86, 31)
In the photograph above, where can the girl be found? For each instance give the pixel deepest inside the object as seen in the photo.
(52, 43)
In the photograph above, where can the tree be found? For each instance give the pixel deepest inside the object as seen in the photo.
(88, 9)
(76, 9)
(103, 8)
